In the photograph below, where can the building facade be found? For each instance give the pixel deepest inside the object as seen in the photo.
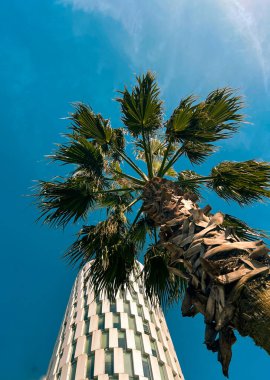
(125, 340)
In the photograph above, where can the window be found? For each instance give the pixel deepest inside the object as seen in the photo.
(140, 311)
(90, 367)
(126, 307)
(138, 342)
(109, 370)
(116, 321)
(101, 322)
(105, 339)
(163, 373)
(73, 371)
(147, 368)
(88, 343)
(154, 348)
(99, 308)
(152, 316)
(113, 307)
(146, 328)
(168, 358)
(122, 340)
(128, 363)
(131, 323)
(73, 349)
(86, 312)
(58, 376)
(134, 295)
(86, 327)
(159, 335)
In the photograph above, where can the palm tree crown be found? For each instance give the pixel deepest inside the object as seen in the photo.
(105, 175)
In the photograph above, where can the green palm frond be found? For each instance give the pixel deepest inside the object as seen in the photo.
(161, 285)
(197, 153)
(206, 122)
(142, 109)
(245, 182)
(113, 251)
(242, 230)
(139, 231)
(90, 125)
(80, 152)
(189, 181)
(63, 201)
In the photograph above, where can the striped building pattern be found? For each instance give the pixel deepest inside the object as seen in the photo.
(124, 340)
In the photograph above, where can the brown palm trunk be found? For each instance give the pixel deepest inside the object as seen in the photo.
(228, 279)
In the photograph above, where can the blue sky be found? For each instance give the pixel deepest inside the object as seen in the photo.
(56, 52)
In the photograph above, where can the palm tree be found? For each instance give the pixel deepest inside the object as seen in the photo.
(214, 262)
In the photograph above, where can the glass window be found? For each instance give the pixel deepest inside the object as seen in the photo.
(113, 307)
(163, 373)
(168, 358)
(90, 367)
(131, 323)
(99, 308)
(86, 326)
(122, 342)
(147, 368)
(101, 322)
(109, 363)
(116, 321)
(140, 310)
(73, 371)
(126, 307)
(154, 348)
(152, 316)
(134, 295)
(105, 339)
(159, 335)
(128, 364)
(88, 343)
(58, 376)
(73, 349)
(146, 328)
(86, 312)
(138, 342)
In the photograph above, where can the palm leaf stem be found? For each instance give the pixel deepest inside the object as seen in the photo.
(115, 190)
(132, 203)
(147, 158)
(165, 157)
(172, 161)
(131, 163)
(136, 217)
(136, 180)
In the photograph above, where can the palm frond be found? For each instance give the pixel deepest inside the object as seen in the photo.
(244, 182)
(63, 201)
(142, 109)
(206, 122)
(242, 230)
(90, 125)
(80, 152)
(161, 285)
(139, 231)
(197, 153)
(188, 180)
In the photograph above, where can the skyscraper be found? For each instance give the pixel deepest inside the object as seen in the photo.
(126, 339)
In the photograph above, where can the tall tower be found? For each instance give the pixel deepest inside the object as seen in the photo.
(122, 340)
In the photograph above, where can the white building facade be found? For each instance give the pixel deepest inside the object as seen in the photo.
(122, 340)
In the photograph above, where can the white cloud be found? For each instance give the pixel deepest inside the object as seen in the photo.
(176, 30)
(251, 20)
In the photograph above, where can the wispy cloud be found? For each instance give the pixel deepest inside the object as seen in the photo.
(181, 33)
(251, 20)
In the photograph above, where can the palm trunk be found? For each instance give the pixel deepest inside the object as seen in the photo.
(228, 279)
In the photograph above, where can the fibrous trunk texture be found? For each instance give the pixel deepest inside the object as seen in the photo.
(228, 279)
